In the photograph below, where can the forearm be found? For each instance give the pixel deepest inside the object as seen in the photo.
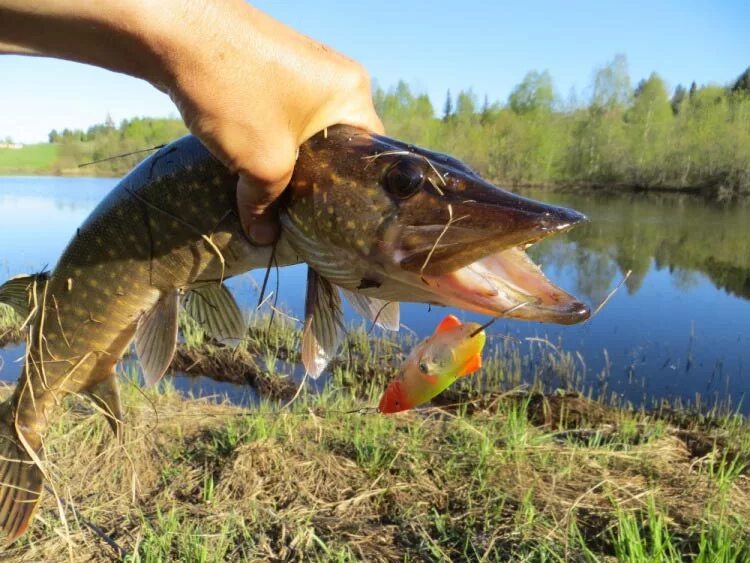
(249, 87)
(149, 39)
(113, 34)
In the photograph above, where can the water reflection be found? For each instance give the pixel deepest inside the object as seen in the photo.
(639, 232)
(679, 327)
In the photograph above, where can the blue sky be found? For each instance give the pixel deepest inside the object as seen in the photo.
(484, 45)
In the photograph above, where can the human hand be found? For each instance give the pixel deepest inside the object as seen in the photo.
(253, 90)
(249, 87)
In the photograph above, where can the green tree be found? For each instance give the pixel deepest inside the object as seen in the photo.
(612, 84)
(742, 84)
(534, 93)
(650, 118)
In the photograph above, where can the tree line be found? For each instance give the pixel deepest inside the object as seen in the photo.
(621, 136)
(643, 136)
(104, 143)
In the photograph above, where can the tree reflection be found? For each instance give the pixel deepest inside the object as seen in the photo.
(639, 232)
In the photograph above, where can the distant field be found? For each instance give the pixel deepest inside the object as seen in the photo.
(31, 158)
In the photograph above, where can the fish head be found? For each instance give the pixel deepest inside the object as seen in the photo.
(401, 223)
(455, 350)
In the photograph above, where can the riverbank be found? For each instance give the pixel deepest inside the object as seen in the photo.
(714, 191)
(502, 480)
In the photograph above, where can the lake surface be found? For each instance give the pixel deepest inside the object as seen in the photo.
(679, 327)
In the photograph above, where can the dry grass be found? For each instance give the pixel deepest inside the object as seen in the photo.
(212, 482)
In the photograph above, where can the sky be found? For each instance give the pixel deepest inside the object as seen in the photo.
(484, 45)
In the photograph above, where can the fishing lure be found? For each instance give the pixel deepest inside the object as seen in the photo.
(453, 351)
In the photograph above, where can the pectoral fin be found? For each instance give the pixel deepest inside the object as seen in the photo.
(213, 307)
(107, 397)
(323, 324)
(474, 363)
(17, 292)
(156, 337)
(385, 314)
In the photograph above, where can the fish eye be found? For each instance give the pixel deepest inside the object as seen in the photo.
(423, 367)
(403, 179)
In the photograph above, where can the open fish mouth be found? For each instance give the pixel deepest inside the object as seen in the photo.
(508, 283)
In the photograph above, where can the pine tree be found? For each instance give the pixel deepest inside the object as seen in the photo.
(677, 98)
(448, 107)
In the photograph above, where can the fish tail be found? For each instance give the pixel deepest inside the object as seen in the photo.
(21, 480)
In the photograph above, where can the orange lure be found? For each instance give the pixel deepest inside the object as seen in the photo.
(454, 351)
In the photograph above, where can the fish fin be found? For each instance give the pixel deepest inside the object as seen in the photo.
(16, 292)
(448, 323)
(21, 482)
(156, 337)
(106, 395)
(385, 314)
(474, 363)
(213, 307)
(323, 324)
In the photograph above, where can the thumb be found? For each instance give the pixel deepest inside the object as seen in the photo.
(258, 214)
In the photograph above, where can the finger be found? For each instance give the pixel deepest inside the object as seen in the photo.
(258, 215)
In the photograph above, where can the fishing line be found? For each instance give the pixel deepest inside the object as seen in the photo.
(139, 151)
(266, 276)
(611, 294)
(483, 327)
(504, 313)
(97, 530)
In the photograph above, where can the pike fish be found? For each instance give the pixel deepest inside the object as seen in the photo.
(375, 219)
(454, 351)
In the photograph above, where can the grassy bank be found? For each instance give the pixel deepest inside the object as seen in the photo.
(29, 160)
(493, 472)
(196, 481)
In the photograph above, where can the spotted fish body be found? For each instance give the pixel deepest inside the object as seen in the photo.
(365, 212)
(168, 225)
(452, 352)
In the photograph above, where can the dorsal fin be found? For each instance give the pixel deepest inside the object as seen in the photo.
(448, 323)
(213, 307)
(323, 324)
(156, 337)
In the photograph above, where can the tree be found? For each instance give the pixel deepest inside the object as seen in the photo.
(466, 105)
(693, 88)
(742, 84)
(448, 107)
(677, 98)
(484, 115)
(534, 93)
(612, 84)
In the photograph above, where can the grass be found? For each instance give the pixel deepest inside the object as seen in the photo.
(199, 481)
(494, 472)
(28, 160)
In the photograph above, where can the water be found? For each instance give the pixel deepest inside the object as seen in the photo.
(679, 327)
